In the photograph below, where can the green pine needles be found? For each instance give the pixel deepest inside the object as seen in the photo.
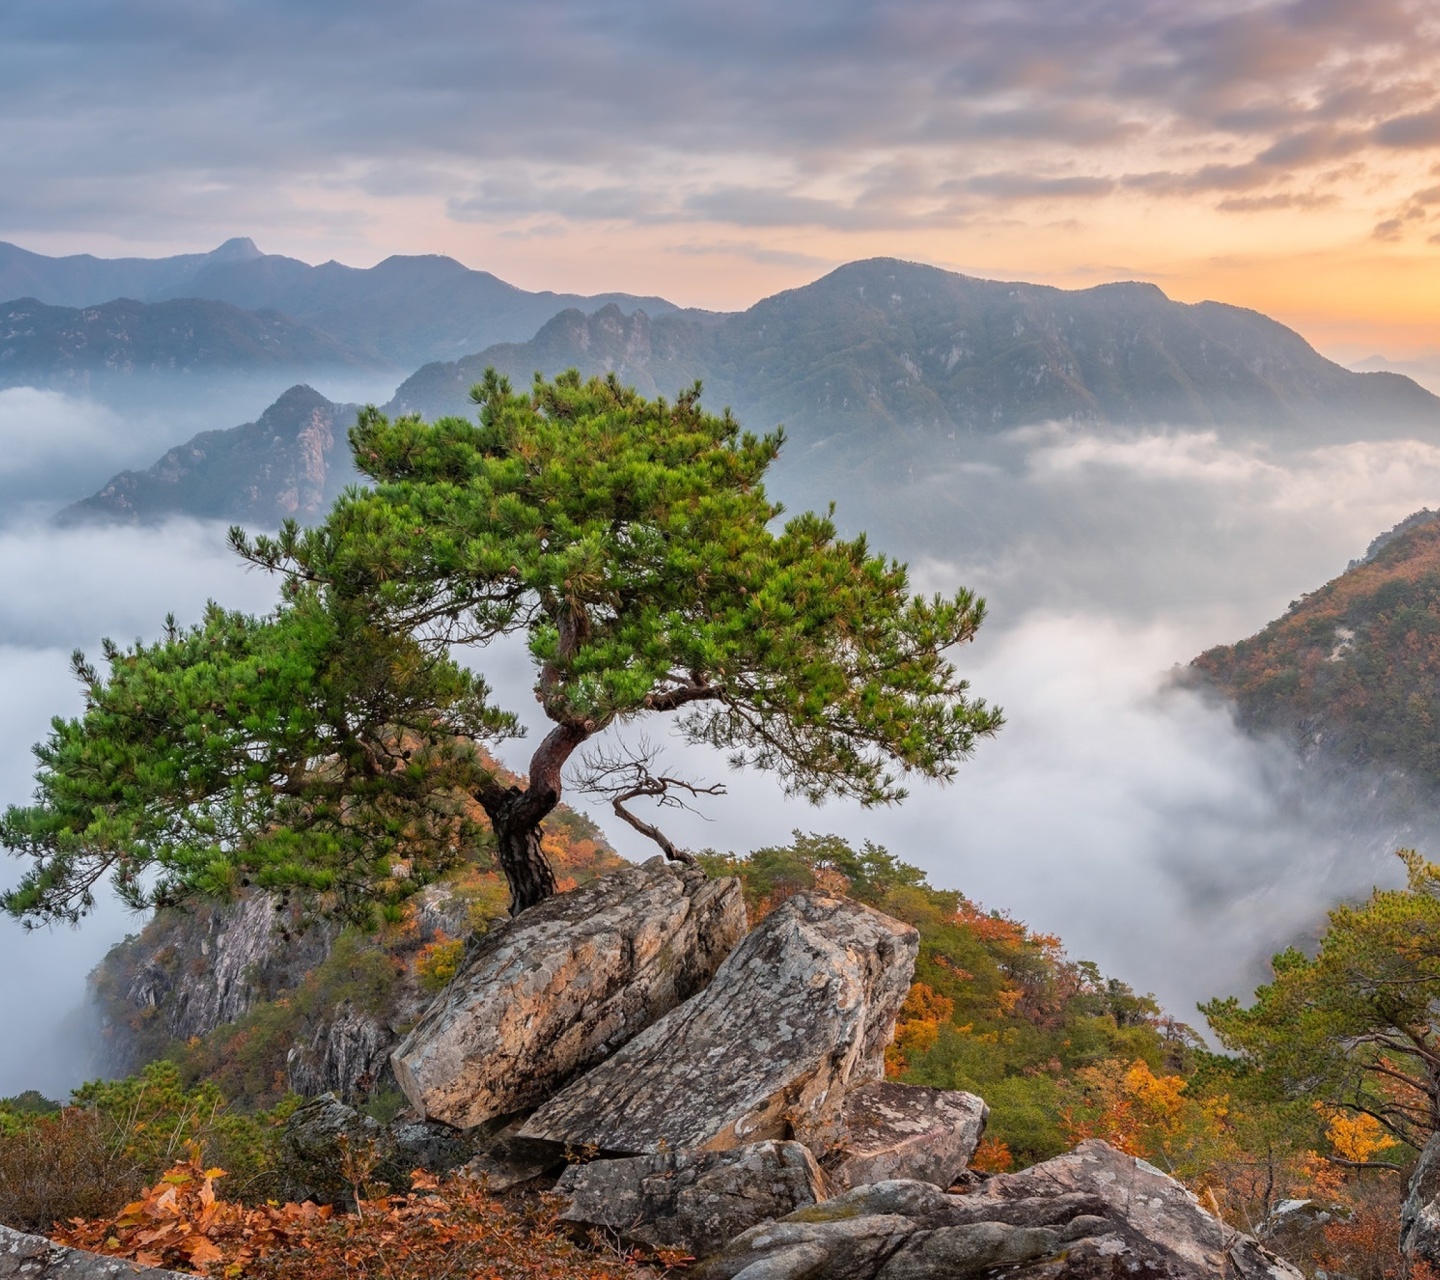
(333, 747)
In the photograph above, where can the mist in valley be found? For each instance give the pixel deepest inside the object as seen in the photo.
(1116, 809)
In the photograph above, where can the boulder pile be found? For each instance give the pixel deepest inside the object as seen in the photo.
(683, 1084)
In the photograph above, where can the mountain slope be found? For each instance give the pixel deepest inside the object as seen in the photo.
(293, 461)
(399, 313)
(897, 370)
(42, 345)
(884, 347)
(83, 280)
(1351, 673)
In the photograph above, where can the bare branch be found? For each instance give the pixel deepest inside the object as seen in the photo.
(626, 774)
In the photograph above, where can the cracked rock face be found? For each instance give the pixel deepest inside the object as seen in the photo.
(1093, 1214)
(691, 1200)
(891, 1130)
(800, 1012)
(26, 1257)
(563, 985)
(1420, 1214)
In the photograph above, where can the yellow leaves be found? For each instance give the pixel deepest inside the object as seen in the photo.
(439, 961)
(1161, 1096)
(917, 1029)
(1357, 1137)
(1145, 1114)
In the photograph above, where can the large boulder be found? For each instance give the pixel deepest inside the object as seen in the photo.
(564, 984)
(691, 1200)
(27, 1257)
(800, 1012)
(1093, 1214)
(1153, 1213)
(891, 1130)
(1420, 1214)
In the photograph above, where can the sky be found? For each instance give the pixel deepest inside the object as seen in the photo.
(1279, 154)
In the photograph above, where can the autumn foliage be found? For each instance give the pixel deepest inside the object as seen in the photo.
(450, 1228)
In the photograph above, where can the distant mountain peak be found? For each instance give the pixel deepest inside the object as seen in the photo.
(236, 249)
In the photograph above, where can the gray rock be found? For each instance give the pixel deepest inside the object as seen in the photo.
(1152, 1213)
(691, 1200)
(27, 1257)
(560, 987)
(326, 1143)
(509, 1160)
(800, 1012)
(346, 1054)
(891, 1130)
(1420, 1214)
(427, 1144)
(1090, 1215)
(322, 1142)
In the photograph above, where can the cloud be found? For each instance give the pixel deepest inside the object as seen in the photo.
(1125, 814)
(1422, 129)
(1280, 200)
(200, 118)
(65, 589)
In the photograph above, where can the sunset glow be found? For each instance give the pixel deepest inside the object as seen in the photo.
(1282, 156)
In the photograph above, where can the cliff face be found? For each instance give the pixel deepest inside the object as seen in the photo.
(292, 462)
(253, 994)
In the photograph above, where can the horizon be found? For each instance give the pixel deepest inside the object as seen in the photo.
(1277, 155)
(1418, 368)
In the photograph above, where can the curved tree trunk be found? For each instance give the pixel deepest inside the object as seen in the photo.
(517, 842)
(516, 815)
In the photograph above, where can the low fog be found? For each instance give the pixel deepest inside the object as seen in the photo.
(1124, 814)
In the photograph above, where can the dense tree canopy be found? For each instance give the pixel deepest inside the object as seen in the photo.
(328, 747)
(1355, 1027)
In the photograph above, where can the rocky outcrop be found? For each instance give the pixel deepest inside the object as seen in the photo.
(1092, 1214)
(800, 1012)
(1420, 1214)
(210, 966)
(190, 973)
(691, 1200)
(563, 985)
(348, 1051)
(905, 1131)
(327, 1146)
(26, 1257)
(509, 1161)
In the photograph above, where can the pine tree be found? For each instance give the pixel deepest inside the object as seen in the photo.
(632, 545)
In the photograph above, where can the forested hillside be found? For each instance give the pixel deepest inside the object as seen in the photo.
(1351, 673)
(884, 354)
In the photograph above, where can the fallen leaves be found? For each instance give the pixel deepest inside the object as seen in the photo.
(443, 1228)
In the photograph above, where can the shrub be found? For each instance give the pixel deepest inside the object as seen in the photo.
(96, 1154)
(62, 1165)
(440, 1229)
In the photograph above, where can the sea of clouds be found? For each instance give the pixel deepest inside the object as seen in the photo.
(1116, 809)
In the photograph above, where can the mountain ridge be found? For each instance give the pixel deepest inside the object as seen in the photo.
(403, 311)
(1349, 675)
(291, 462)
(946, 354)
(47, 345)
